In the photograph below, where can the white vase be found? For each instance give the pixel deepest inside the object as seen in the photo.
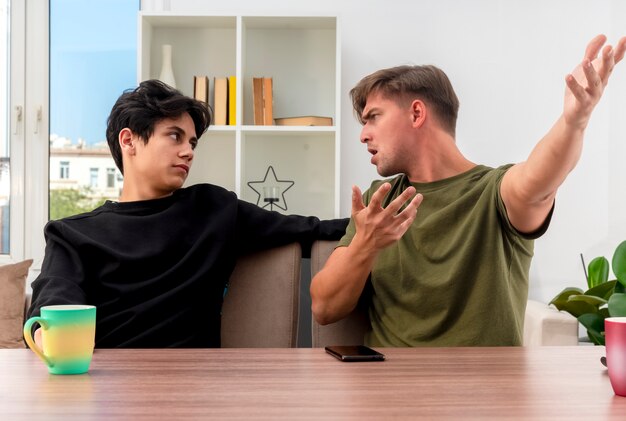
(167, 73)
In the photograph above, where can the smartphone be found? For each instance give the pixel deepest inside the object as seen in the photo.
(352, 353)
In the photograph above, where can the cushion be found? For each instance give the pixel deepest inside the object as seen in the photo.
(12, 287)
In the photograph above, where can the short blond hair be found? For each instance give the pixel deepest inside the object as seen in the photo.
(406, 83)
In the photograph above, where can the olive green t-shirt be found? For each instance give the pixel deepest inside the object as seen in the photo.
(459, 275)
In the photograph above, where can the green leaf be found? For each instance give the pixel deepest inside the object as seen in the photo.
(595, 337)
(604, 290)
(577, 308)
(619, 288)
(619, 263)
(604, 312)
(594, 324)
(592, 321)
(589, 299)
(598, 271)
(617, 305)
(561, 298)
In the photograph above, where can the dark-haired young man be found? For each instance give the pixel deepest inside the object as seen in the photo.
(458, 274)
(156, 263)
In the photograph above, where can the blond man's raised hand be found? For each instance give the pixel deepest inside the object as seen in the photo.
(587, 81)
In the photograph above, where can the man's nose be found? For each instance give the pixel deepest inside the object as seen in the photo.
(365, 137)
(187, 152)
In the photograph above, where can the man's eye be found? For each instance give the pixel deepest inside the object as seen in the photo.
(369, 118)
(175, 136)
(193, 144)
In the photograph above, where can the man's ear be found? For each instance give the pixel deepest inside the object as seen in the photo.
(418, 113)
(127, 141)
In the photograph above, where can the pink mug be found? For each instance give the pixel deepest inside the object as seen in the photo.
(615, 340)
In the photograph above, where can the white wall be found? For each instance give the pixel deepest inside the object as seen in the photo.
(507, 61)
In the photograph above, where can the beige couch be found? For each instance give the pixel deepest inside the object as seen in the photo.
(261, 307)
(544, 325)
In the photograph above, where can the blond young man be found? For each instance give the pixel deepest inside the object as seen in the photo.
(456, 274)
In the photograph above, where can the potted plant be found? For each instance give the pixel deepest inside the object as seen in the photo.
(602, 299)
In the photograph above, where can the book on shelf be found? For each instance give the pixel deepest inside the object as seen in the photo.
(262, 101)
(220, 111)
(257, 100)
(232, 100)
(201, 88)
(306, 120)
(268, 102)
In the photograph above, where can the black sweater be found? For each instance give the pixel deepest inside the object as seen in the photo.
(156, 269)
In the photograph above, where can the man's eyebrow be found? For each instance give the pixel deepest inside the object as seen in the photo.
(366, 115)
(176, 129)
(180, 130)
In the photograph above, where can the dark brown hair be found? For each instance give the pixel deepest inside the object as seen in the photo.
(141, 108)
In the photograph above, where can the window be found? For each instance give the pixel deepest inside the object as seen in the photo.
(5, 197)
(87, 75)
(14, 115)
(93, 178)
(57, 65)
(64, 170)
(110, 178)
(5, 161)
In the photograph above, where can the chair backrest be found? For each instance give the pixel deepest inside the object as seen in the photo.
(262, 303)
(347, 331)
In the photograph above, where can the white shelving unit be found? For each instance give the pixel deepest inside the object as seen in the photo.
(302, 56)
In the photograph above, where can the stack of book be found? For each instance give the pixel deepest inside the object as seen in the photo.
(225, 103)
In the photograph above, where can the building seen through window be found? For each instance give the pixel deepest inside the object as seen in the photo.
(92, 61)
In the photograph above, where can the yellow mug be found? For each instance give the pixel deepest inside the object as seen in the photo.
(68, 335)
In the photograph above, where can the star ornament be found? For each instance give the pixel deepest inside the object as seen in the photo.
(270, 183)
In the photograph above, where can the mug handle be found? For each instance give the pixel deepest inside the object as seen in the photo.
(28, 336)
